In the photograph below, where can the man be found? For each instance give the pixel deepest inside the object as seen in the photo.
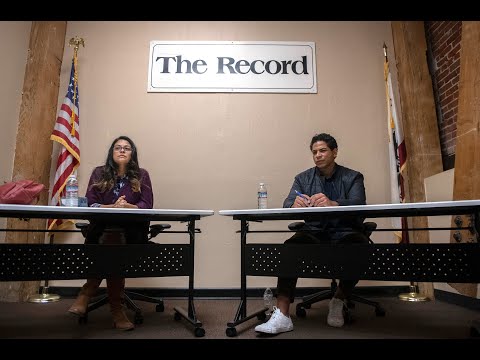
(326, 184)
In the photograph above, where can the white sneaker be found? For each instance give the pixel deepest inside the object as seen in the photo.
(277, 323)
(335, 313)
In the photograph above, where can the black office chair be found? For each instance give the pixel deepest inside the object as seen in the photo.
(307, 301)
(129, 296)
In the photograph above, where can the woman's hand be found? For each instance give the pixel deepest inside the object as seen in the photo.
(122, 203)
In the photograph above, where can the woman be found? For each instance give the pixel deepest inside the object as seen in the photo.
(120, 183)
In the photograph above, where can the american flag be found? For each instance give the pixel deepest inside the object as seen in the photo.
(398, 157)
(67, 133)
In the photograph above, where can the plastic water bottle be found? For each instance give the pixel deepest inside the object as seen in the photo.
(268, 300)
(71, 191)
(262, 196)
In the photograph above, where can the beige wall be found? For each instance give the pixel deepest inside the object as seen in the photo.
(209, 150)
(14, 37)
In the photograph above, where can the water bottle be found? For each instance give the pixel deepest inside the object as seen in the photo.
(71, 191)
(262, 196)
(268, 300)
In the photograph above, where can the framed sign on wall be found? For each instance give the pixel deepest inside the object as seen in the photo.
(232, 66)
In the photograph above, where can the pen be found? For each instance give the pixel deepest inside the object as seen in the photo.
(300, 194)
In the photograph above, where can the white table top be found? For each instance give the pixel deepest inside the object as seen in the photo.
(67, 212)
(375, 210)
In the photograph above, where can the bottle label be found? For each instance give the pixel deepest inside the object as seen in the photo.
(262, 194)
(71, 202)
(262, 202)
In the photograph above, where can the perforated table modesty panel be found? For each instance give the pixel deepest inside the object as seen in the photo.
(456, 263)
(24, 262)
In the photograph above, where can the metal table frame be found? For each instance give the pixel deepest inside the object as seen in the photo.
(21, 262)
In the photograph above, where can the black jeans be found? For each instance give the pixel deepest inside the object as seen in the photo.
(286, 286)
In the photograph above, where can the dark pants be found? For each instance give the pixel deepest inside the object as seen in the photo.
(99, 232)
(286, 286)
(119, 233)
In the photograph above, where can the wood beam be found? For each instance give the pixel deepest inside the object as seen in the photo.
(33, 151)
(424, 157)
(467, 149)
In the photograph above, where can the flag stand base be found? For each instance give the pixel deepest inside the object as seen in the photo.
(413, 295)
(44, 297)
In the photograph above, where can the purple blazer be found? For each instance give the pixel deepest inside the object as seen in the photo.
(143, 199)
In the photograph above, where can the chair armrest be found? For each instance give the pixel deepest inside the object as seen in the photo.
(156, 229)
(369, 227)
(296, 225)
(83, 227)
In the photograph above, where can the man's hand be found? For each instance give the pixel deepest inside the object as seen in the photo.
(302, 201)
(321, 199)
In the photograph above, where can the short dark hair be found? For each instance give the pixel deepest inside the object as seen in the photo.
(327, 138)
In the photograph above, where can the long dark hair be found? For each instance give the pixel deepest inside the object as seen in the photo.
(110, 169)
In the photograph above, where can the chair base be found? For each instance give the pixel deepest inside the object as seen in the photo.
(308, 300)
(129, 296)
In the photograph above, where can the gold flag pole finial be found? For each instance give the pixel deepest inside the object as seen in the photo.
(77, 41)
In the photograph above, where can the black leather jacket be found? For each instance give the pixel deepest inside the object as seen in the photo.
(349, 186)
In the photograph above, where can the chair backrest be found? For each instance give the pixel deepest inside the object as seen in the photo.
(154, 230)
(368, 227)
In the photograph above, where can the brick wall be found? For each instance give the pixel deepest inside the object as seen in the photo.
(443, 42)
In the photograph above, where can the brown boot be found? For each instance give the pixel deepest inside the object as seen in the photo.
(79, 307)
(115, 288)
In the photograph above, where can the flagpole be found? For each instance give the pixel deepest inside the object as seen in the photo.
(45, 297)
(76, 42)
(413, 294)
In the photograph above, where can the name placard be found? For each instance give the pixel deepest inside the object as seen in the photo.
(232, 66)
